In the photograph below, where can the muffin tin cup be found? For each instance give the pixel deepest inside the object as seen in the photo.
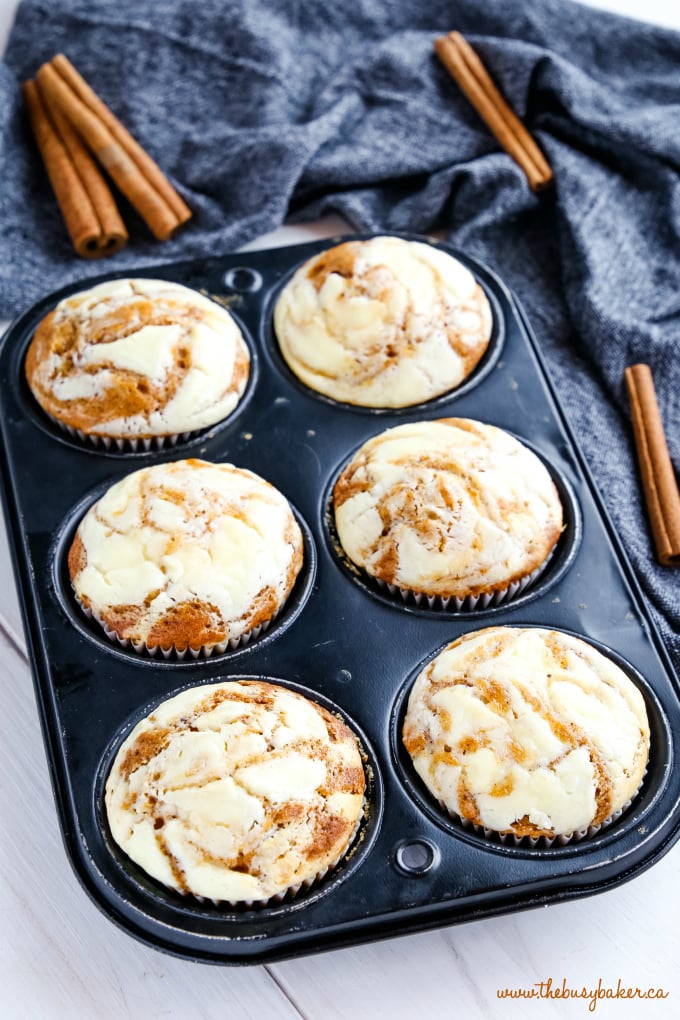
(340, 641)
(518, 591)
(125, 446)
(484, 366)
(97, 630)
(130, 874)
(625, 817)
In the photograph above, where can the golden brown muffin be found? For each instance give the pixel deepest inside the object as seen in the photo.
(130, 360)
(528, 732)
(186, 555)
(382, 323)
(238, 791)
(449, 509)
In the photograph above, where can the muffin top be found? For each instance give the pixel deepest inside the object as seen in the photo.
(186, 554)
(236, 791)
(382, 323)
(137, 358)
(527, 731)
(447, 508)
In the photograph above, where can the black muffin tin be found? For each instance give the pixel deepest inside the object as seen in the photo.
(341, 640)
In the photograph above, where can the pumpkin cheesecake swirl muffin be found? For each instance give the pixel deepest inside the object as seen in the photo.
(382, 323)
(186, 555)
(450, 509)
(527, 732)
(239, 791)
(136, 359)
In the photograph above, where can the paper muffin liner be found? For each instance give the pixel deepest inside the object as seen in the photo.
(171, 651)
(468, 603)
(559, 839)
(127, 443)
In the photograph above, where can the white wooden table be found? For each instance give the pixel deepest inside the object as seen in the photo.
(59, 957)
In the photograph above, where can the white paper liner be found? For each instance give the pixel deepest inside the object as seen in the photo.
(470, 602)
(128, 443)
(562, 839)
(171, 652)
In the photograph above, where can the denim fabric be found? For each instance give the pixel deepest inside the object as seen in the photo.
(261, 111)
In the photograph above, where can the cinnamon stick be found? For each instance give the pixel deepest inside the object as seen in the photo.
(464, 65)
(86, 203)
(658, 480)
(132, 169)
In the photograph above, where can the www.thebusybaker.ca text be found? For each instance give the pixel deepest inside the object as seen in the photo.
(551, 990)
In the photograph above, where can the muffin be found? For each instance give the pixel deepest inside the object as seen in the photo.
(382, 323)
(133, 360)
(186, 555)
(238, 791)
(527, 732)
(450, 509)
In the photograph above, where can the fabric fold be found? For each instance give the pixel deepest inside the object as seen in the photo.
(262, 112)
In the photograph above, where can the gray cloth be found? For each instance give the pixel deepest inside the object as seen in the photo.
(263, 111)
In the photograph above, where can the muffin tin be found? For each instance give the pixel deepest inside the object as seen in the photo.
(339, 640)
